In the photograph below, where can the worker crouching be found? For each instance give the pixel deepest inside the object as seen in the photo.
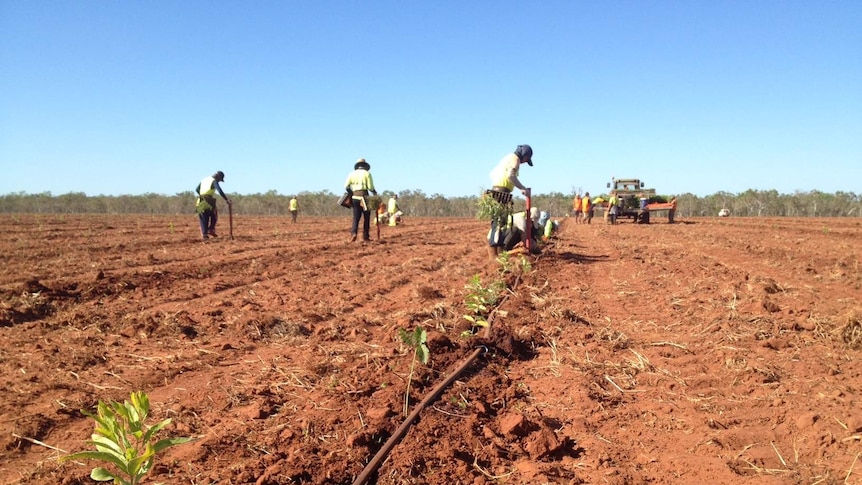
(393, 212)
(515, 235)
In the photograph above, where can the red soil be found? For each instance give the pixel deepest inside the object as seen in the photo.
(707, 351)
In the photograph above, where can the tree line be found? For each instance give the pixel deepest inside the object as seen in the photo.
(415, 203)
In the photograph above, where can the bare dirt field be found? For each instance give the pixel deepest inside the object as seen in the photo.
(722, 351)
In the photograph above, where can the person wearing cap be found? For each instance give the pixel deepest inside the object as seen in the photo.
(504, 178)
(205, 206)
(359, 184)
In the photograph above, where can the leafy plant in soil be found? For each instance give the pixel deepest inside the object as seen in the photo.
(122, 439)
(508, 263)
(481, 299)
(417, 341)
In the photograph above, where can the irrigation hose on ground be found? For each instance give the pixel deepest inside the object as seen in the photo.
(399, 433)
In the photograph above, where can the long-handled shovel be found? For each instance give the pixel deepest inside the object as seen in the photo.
(230, 219)
(529, 224)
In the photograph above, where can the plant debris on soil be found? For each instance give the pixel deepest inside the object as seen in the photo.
(704, 351)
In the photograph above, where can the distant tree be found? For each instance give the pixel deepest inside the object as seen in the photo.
(415, 203)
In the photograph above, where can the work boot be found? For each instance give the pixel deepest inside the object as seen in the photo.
(492, 252)
(352, 237)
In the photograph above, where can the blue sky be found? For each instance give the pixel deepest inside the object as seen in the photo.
(133, 97)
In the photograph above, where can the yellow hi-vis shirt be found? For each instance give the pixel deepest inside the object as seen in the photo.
(293, 204)
(500, 176)
(206, 195)
(207, 186)
(393, 205)
(360, 180)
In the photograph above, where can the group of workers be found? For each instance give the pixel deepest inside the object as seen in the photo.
(584, 207)
(511, 229)
(358, 186)
(389, 212)
(508, 228)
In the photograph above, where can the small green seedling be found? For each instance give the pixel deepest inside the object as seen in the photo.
(480, 300)
(491, 210)
(123, 440)
(416, 340)
(526, 267)
(505, 260)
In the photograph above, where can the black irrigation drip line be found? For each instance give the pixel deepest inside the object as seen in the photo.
(399, 433)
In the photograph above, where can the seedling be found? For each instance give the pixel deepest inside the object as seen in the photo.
(481, 300)
(505, 260)
(415, 340)
(526, 267)
(490, 209)
(508, 263)
(122, 439)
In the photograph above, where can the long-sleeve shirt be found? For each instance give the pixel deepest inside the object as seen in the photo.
(208, 187)
(505, 174)
(360, 180)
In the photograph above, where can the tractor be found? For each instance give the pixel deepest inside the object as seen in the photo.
(637, 202)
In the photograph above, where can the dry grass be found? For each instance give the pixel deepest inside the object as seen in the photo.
(852, 332)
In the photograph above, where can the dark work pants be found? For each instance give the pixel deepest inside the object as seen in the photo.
(358, 213)
(208, 222)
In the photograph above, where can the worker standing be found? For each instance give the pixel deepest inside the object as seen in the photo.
(504, 178)
(613, 207)
(205, 205)
(293, 207)
(576, 205)
(359, 184)
(587, 208)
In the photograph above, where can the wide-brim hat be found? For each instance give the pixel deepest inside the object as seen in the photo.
(361, 164)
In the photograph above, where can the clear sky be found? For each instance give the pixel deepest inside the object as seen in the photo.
(694, 96)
